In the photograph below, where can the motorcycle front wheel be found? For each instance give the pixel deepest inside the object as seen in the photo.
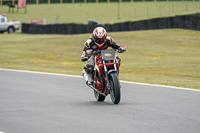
(99, 97)
(115, 92)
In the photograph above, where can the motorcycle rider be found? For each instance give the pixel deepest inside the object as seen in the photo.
(98, 41)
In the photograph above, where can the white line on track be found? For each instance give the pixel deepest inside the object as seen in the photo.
(129, 82)
(2, 132)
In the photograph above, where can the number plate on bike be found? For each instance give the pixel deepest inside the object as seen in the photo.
(108, 54)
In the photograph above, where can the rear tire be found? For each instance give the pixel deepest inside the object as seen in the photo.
(99, 97)
(115, 92)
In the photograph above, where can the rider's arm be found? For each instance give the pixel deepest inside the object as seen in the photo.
(114, 45)
(87, 45)
(84, 56)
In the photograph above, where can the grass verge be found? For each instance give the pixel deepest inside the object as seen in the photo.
(102, 12)
(167, 57)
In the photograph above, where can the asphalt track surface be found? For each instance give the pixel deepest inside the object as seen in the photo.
(46, 103)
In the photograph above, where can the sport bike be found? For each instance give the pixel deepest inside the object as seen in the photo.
(105, 76)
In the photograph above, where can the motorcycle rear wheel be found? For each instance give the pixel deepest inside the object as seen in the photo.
(99, 97)
(115, 92)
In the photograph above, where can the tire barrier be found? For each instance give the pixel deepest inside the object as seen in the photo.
(191, 21)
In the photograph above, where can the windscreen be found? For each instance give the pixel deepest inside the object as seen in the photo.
(108, 54)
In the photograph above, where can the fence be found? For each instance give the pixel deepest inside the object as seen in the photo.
(6, 2)
(185, 21)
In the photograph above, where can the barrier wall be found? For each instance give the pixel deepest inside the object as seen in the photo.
(191, 21)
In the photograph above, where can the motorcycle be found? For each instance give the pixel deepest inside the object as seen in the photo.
(105, 75)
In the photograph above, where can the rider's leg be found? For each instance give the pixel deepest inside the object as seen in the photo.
(89, 66)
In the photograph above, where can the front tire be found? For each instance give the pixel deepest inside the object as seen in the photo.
(99, 97)
(115, 92)
(11, 30)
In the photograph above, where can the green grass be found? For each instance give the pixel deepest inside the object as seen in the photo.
(102, 12)
(168, 57)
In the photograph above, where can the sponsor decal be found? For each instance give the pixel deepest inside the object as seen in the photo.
(111, 40)
(87, 45)
(36, 20)
(94, 46)
(21, 3)
(108, 54)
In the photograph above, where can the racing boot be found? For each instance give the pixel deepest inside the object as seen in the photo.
(118, 59)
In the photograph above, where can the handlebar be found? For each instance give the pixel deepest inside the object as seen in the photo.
(91, 52)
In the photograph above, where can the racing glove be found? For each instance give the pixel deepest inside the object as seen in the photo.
(122, 49)
(84, 57)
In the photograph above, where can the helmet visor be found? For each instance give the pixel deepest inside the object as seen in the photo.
(100, 40)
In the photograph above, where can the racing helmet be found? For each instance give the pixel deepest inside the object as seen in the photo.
(99, 36)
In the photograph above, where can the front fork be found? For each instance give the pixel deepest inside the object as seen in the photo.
(106, 73)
